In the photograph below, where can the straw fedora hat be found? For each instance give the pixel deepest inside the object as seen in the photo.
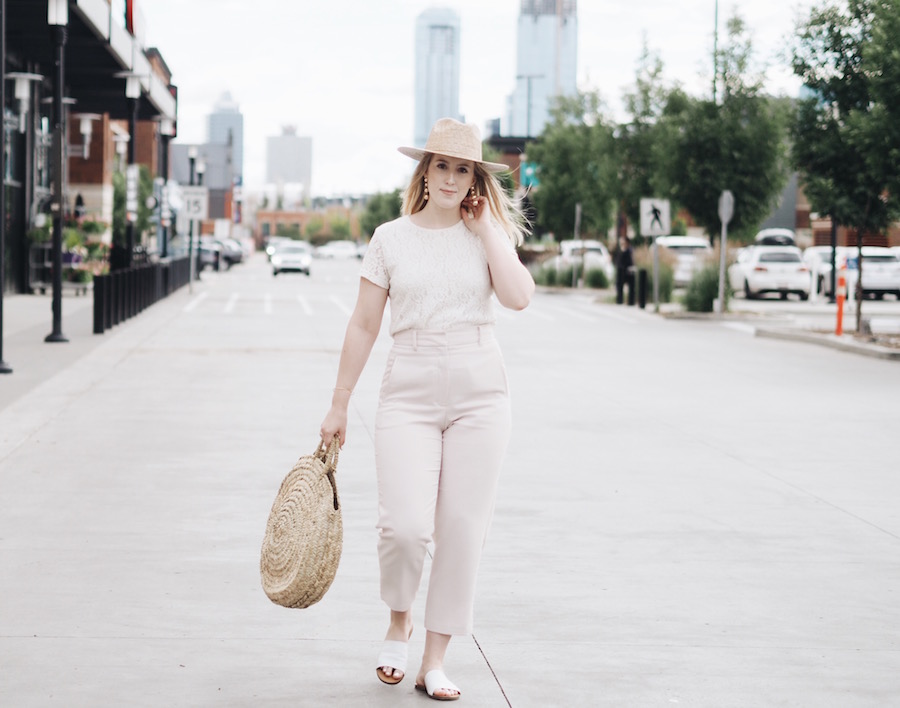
(454, 139)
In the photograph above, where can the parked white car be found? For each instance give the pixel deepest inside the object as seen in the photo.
(775, 237)
(818, 260)
(338, 249)
(770, 269)
(691, 253)
(594, 254)
(880, 272)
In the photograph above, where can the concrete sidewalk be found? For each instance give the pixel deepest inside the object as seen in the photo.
(654, 543)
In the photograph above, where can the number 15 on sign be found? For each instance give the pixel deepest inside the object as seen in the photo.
(196, 203)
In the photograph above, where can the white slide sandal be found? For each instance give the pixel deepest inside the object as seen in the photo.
(435, 680)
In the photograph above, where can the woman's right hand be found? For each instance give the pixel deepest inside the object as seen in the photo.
(335, 423)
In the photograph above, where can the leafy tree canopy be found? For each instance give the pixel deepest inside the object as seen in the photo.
(380, 209)
(736, 144)
(577, 164)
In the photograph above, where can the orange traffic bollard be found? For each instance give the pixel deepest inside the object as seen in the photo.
(841, 294)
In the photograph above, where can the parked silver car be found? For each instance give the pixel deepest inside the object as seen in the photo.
(292, 256)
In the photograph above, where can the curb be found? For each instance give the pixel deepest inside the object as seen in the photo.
(831, 341)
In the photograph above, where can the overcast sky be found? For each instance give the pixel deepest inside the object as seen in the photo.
(342, 70)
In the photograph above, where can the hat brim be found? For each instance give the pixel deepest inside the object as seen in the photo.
(419, 153)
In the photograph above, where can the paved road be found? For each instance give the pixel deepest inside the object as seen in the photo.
(688, 515)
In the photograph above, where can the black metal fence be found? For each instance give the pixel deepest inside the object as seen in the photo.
(125, 293)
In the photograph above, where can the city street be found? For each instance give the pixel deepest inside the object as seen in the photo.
(688, 515)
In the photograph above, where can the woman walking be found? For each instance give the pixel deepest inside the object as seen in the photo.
(443, 417)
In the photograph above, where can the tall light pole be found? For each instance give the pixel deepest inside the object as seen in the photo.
(192, 162)
(133, 94)
(166, 131)
(715, 51)
(4, 367)
(58, 19)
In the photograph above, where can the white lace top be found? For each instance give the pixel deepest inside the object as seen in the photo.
(435, 278)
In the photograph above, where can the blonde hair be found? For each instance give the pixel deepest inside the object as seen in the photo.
(505, 210)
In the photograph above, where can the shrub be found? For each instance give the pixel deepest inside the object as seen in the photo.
(596, 278)
(72, 239)
(92, 228)
(544, 276)
(643, 258)
(703, 290)
(78, 275)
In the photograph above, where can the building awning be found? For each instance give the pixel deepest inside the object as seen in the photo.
(98, 47)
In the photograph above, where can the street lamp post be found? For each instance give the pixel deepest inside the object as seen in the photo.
(133, 94)
(166, 130)
(58, 19)
(4, 367)
(201, 170)
(192, 163)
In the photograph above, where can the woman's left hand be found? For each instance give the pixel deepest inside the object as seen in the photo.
(476, 214)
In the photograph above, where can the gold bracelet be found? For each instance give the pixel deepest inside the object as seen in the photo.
(341, 388)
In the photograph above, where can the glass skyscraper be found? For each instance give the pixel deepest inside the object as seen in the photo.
(546, 63)
(437, 70)
(226, 127)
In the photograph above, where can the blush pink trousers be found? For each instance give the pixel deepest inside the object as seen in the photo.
(441, 432)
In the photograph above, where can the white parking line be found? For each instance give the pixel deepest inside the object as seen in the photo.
(304, 303)
(533, 311)
(341, 306)
(611, 314)
(267, 304)
(196, 301)
(740, 327)
(232, 301)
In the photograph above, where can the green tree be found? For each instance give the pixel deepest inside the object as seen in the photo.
(738, 144)
(883, 56)
(646, 139)
(314, 227)
(145, 191)
(339, 227)
(380, 208)
(291, 231)
(846, 139)
(577, 164)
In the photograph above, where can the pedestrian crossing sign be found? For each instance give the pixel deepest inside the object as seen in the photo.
(655, 217)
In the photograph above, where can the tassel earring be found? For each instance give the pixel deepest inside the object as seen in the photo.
(426, 189)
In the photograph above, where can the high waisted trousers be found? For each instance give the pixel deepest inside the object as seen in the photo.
(441, 431)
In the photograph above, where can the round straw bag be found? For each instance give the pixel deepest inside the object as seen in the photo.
(304, 534)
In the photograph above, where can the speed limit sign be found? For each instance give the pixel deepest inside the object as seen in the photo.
(195, 203)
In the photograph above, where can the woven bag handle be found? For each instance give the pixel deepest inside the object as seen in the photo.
(329, 453)
(329, 456)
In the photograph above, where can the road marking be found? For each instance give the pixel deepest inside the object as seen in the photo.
(304, 303)
(267, 303)
(608, 312)
(232, 301)
(536, 312)
(740, 327)
(196, 301)
(341, 306)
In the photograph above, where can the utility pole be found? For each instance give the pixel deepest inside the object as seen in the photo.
(715, 52)
(4, 367)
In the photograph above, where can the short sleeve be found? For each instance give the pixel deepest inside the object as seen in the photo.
(373, 266)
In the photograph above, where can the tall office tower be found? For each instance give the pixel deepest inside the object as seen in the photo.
(437, 70)
(289, 158)
(546, 63)
(226, 127)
